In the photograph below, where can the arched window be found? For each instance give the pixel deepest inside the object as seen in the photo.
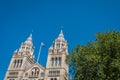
(58, 72)
(58, 46)
(56, 61)
(59, 61)
(14, 63)
(35, 71)
(52, 61)
(20, 62)
(51, 79)
(26, 74)
(55, 78)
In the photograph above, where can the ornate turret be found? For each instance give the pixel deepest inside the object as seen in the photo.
(61, 36)
(27, 47)
(60, 44)
(23, 67)
(22, 59)
(56, 68)
(29, 40)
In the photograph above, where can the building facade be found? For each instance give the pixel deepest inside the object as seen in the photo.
(23, 67)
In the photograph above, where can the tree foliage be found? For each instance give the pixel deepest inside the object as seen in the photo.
(98, 60)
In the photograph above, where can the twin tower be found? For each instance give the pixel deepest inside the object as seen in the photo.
(23, 67)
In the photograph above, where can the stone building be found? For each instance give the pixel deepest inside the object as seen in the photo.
(23, 67)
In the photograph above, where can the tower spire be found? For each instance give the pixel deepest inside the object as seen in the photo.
(27, 46)
(29, 40)
(56, 57)
(61, 36)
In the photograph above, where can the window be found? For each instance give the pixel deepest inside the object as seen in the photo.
(25, 79)
(53, 79)
(57, 50)
(53, 73)
(59, 61)
(42, 74)
(56, 61)
(27, 48)
(50, 72)
(58, 72)
(11, 79)
(17, 63)
(23, 47)
(26, 74)
(58, 46)
(35, 71)
(52, 61)
(13, 73)
(20, 62)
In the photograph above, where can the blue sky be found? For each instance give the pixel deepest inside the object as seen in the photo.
(81, 20)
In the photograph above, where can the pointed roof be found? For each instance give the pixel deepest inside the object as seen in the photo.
(34, 65)
(61, 36)
(29, 40)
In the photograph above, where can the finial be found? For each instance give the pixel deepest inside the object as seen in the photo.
(29, 39)
(30, 35)
(61, 36)
(61, 28)
(61, 33)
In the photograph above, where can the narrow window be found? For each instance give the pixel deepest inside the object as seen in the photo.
(51, 79)
(20, 62)
(35, 71)
(55, 78)
(59, 61)
(52, 61)
(56, 61)
(14, 63)
(17, 63)
(58, 72)
(58, 46)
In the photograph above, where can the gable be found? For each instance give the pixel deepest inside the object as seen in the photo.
(35, 71)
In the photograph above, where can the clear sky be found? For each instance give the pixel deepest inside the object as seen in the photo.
(81, 20)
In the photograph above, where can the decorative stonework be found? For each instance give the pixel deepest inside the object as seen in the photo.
(22, 66)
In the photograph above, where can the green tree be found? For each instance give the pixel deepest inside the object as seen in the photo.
(98, 60)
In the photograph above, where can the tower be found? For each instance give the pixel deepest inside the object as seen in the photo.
(23, 67)
(56, 68)
(21, 60)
